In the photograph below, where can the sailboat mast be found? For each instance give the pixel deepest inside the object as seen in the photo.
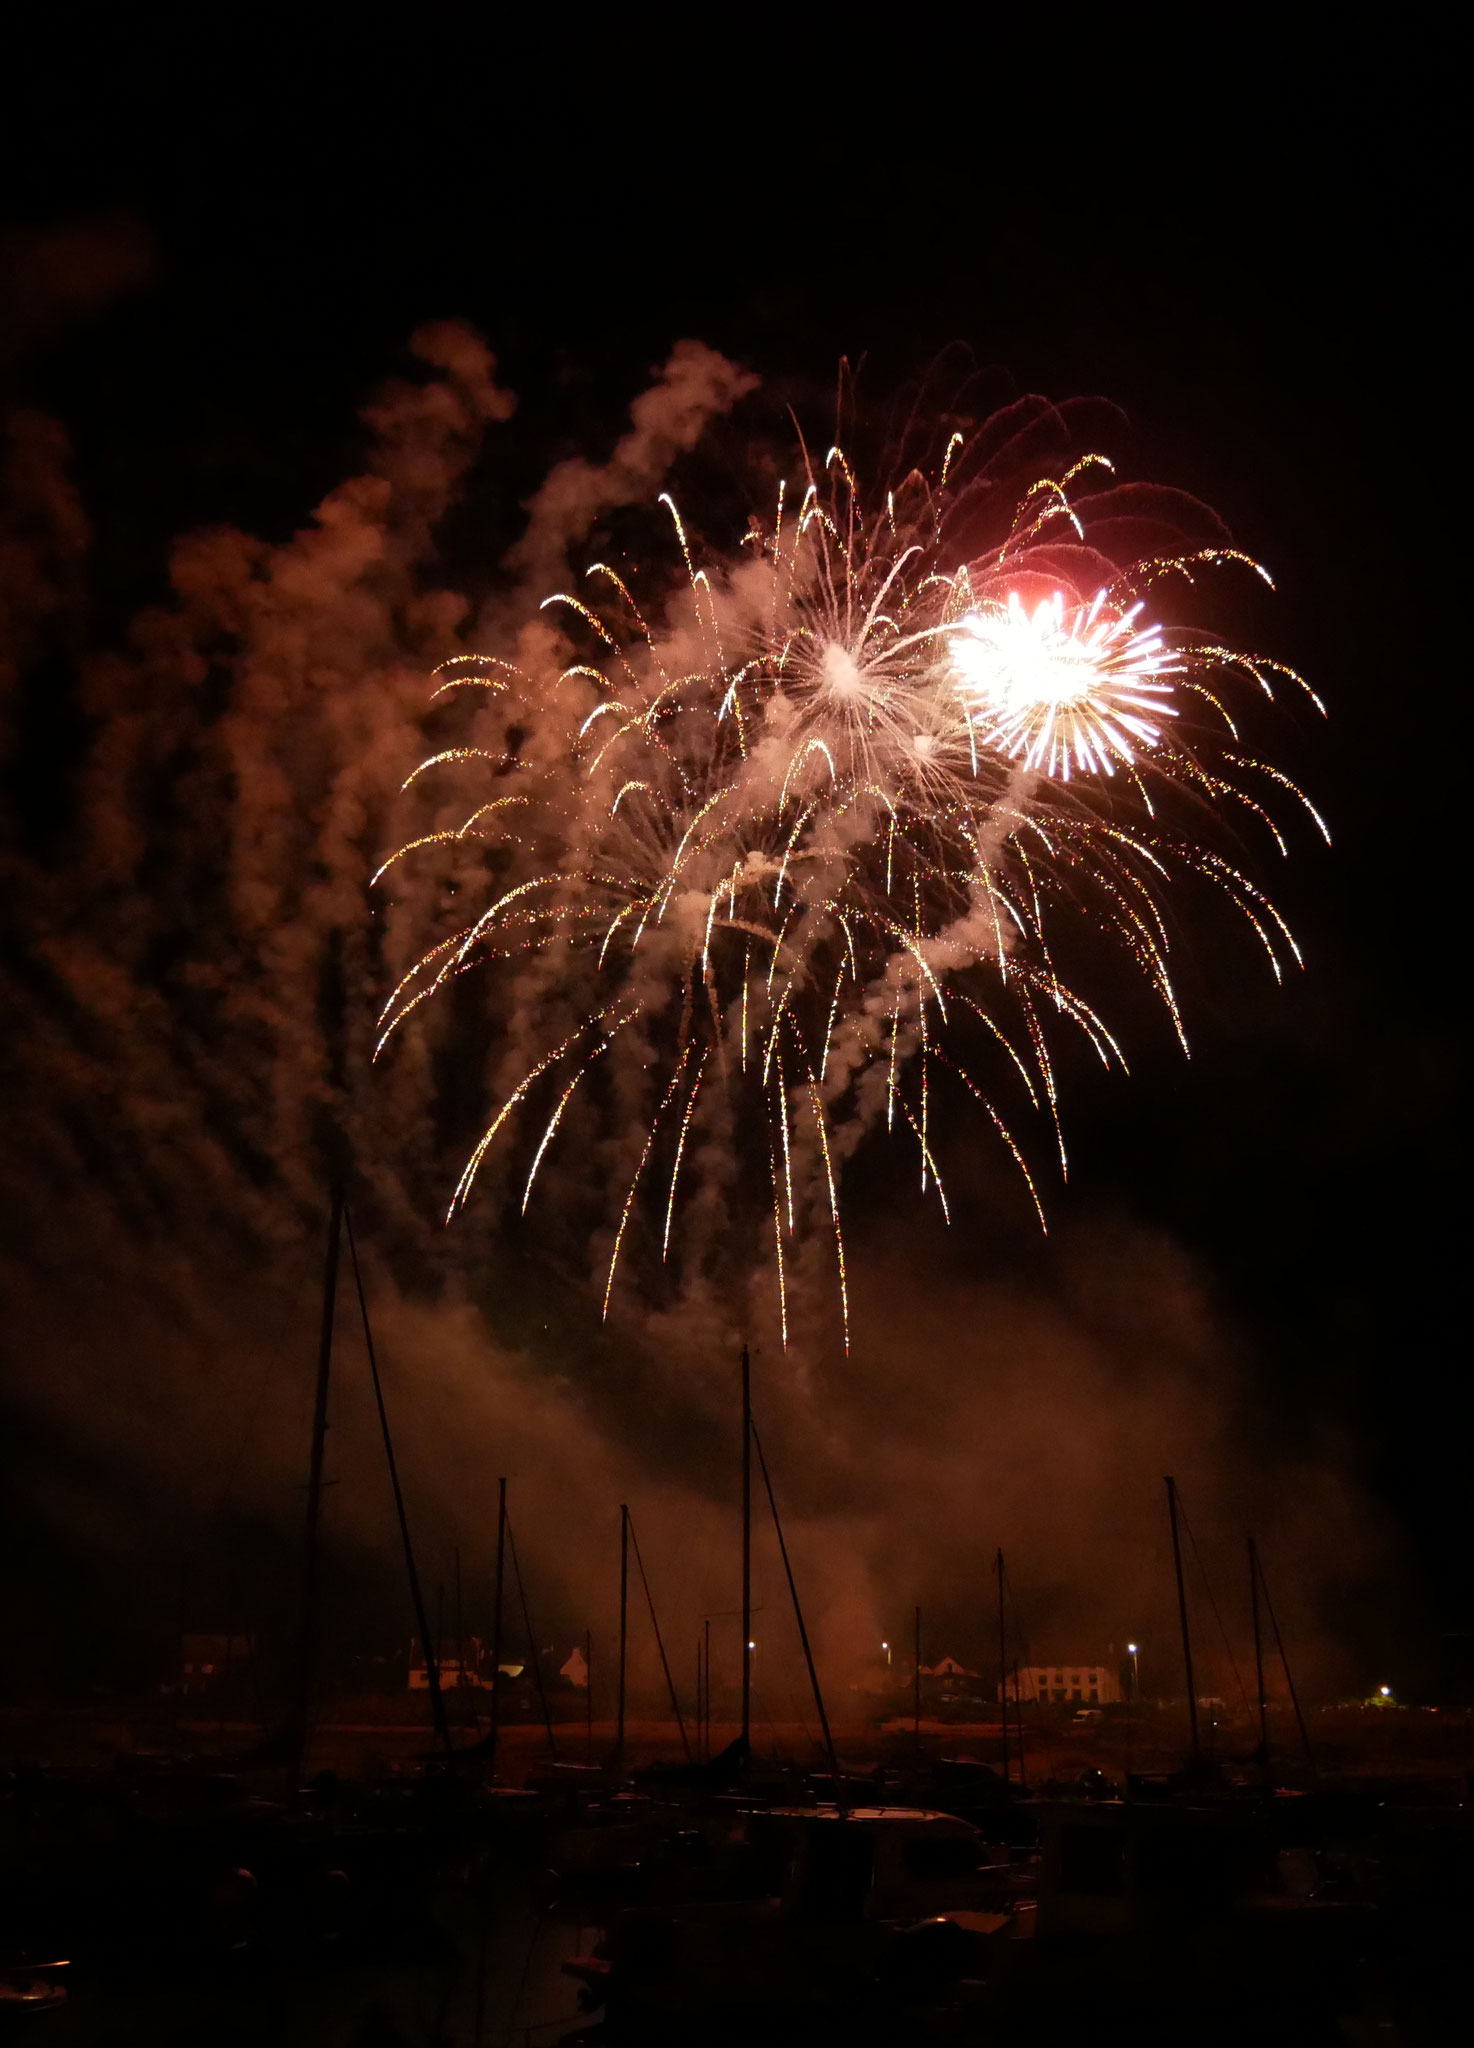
(803, 1633)
(1187, 1648)
(1003, 1668)
(746, 1552)
(624, 1630)
(496, 1618)
(916, 1682)
(1258, 1653)
(307, 1647)
(417, 1598)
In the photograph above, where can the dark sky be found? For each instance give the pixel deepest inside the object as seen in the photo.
(1249, 251)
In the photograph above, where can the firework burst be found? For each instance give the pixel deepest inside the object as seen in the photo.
(1065, 691)
(773, 868)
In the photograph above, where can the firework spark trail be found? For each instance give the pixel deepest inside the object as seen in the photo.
(861, 770)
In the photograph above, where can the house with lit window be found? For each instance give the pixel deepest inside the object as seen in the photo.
(1063, 1685)
(459, 1665)
(206, 1661)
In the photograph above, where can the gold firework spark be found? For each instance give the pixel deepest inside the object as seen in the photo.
(779, 859)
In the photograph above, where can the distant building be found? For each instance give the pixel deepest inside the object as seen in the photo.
(206, 1660)
(947, 1687)
(1064, 1685)
(464, 1664)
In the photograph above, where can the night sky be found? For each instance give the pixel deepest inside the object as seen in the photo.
(216, 242)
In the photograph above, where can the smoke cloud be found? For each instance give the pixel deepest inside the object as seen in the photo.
(193, 984)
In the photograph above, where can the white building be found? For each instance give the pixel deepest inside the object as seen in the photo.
(1064, 1685)
(459, 1664)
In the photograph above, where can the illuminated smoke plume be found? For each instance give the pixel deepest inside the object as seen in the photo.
(196, 974)
(797, 848)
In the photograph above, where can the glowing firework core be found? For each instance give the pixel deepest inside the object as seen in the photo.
(841, 675)
(1064, 689)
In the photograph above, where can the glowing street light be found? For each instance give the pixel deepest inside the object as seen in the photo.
(887, 1648)
(1132, 1649)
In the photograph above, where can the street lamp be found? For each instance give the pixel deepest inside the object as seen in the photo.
(887, 1648)
(1135, 1674)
